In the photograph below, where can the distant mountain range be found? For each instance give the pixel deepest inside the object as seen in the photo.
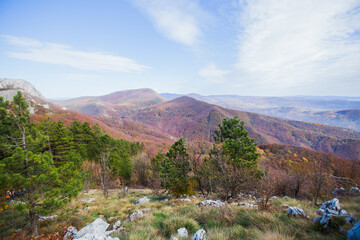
(146, 116)
(335, 111)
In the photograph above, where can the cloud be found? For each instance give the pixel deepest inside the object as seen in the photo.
(178, 20)
(53, 53)
(213, 74)
(291, 43)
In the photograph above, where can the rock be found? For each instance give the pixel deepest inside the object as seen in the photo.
(89, 236)
(273, 198)
(175, 238)
(211, 203)
(88, 200)
(142, 201)
(244, 204)
(295, 211)
(182, 232)
(193, 196)
(354, 233)
(165, 200)
(96, 229)
(338, 191)
(355, 190)
(332, 208)
(333, 204)
(136, 214)
(117, 225)
(286, 197)
(185, 199)
(70, 233)
(199, 235)
(87, 208)
(45, 218)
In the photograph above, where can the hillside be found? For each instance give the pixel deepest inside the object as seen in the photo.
(335, 111)
(196, 120)
(108, 105)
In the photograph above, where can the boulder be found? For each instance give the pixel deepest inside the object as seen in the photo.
(136, 214)
(182, 232)
(296, 212)
(354, 233)
(273, 198)
(286, 197)
(70, 233)
(185, 199)
(46, 218)
(142, 201)
(211, 203)
(244, 204)
(96, 229)
(199, 235)
(332, 208)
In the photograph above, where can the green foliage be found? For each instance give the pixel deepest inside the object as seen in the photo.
(232, 165)
(174, 168)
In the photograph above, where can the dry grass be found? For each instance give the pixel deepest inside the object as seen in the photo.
(164, 218)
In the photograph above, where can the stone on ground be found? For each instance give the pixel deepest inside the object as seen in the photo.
(296, 212)
(182, 232)
(199, 235)
(211, 203)
(142, 201)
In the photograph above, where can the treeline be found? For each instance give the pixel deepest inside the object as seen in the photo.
(44, 165)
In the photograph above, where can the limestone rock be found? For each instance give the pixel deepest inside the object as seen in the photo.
(211, 203)
(182, 232)
(117, 225)
(355, 190)
(142, 201)
(199, 235)
(95, 229)
(70, 233)
(88, 200)
(136, 214)
(296, 212)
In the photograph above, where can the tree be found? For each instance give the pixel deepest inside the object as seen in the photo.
(233, 159)
(174, 168)
(28, 169)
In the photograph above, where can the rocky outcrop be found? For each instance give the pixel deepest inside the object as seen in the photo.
(355, 190)
(135, 215)
(182, 232)
(211, 203)
(296, 212)
(332, 208)
(142, 201)
(70, 233)
(199, 235)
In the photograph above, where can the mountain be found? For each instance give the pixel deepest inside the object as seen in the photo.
(114, 103)
(197, 120)
(335, 111)
(9, 88)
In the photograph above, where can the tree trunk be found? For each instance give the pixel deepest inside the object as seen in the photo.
(33, 222)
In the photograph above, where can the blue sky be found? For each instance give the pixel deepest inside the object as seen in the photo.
(261, 47)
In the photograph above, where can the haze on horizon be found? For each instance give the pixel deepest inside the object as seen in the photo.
(251, 48)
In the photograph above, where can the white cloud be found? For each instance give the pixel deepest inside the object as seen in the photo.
(178, 20)
(213, 74)
(52, 53)
(289, 43)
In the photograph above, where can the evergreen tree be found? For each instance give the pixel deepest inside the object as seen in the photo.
(174, 168)
(27, 169)
(233, 159)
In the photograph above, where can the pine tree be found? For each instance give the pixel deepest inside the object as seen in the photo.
(174, 168)
(233, 159)
(29, 170)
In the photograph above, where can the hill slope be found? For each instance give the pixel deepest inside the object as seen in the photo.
(196, 120)
(108, 105)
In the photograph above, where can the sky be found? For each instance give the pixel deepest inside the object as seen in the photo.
(69, 48)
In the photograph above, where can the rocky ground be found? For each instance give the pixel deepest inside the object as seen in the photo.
(143, 215)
